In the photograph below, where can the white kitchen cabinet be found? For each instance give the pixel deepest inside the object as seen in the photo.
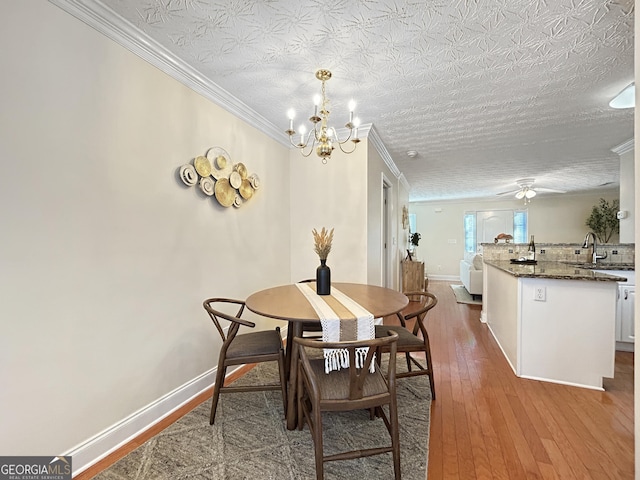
(625, 325)
(625, 307)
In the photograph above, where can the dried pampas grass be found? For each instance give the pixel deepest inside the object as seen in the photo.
(322, 242)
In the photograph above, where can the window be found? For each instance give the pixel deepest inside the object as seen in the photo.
(470, 232)
(412, 223)
(520, 226)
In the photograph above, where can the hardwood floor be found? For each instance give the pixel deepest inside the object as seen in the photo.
(488, 424)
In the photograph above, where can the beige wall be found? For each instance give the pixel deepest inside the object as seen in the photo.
(106, 256)
(627, 197)
(331, 195)
(552, 219)
(344, 194)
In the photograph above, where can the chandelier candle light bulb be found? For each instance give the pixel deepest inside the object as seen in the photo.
(291, 113)
(303, 131)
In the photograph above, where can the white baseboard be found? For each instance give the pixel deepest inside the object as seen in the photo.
(625, 346)
(513, 367)
(116, 436)
(449, 278)
(111, 439)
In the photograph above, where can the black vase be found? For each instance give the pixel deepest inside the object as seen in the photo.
(323, 278)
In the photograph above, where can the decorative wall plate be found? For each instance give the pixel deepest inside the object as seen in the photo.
(241, 169)
(238, 201)
(225, 193)
(188, 175)
(206, 185)
(235, 180)
(222, 166)
(255, 181)
(203, 166)
(246, 190)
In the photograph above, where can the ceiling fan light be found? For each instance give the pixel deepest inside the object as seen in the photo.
(530, 193)
(625, 99)
(520, 195)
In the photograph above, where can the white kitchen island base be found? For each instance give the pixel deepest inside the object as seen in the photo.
(567, 336)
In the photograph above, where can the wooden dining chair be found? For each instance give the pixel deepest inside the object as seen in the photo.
(415, 338)
(254, 347)
(347, 389)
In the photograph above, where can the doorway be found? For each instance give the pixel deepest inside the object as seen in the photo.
(491, 223)
(386, 270)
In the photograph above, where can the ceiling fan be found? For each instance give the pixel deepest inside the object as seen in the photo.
(527, 191)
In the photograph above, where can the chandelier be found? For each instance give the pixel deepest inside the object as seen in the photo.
(322, 134)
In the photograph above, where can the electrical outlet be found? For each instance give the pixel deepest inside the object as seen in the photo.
(540, 294)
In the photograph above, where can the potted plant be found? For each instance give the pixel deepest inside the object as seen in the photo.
(414, 239)
(603, 220)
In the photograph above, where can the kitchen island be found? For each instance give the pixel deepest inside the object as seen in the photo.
(553, 321)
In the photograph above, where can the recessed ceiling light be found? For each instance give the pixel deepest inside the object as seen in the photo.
(412, 153)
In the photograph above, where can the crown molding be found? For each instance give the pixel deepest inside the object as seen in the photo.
(106, 21)
(404, 182)
(624, 147)
(100, 17)
(375, 140)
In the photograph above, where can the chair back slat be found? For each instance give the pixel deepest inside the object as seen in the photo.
(235, 320)
(357, 376)
(430, 301)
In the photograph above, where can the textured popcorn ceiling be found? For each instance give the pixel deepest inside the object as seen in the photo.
(486, 92)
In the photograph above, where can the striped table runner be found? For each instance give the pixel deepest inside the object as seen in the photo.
(342, 319)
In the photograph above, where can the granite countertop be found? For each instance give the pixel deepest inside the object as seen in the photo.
(556, 270)
(603, 266)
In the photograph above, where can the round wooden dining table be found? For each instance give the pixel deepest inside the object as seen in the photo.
(286, 302)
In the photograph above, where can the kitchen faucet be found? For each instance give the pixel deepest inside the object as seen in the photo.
(594, 257)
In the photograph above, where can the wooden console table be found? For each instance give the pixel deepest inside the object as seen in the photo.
(412, 276)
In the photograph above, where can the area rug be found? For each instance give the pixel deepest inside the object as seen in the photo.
(463, 296)
(250, 441)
